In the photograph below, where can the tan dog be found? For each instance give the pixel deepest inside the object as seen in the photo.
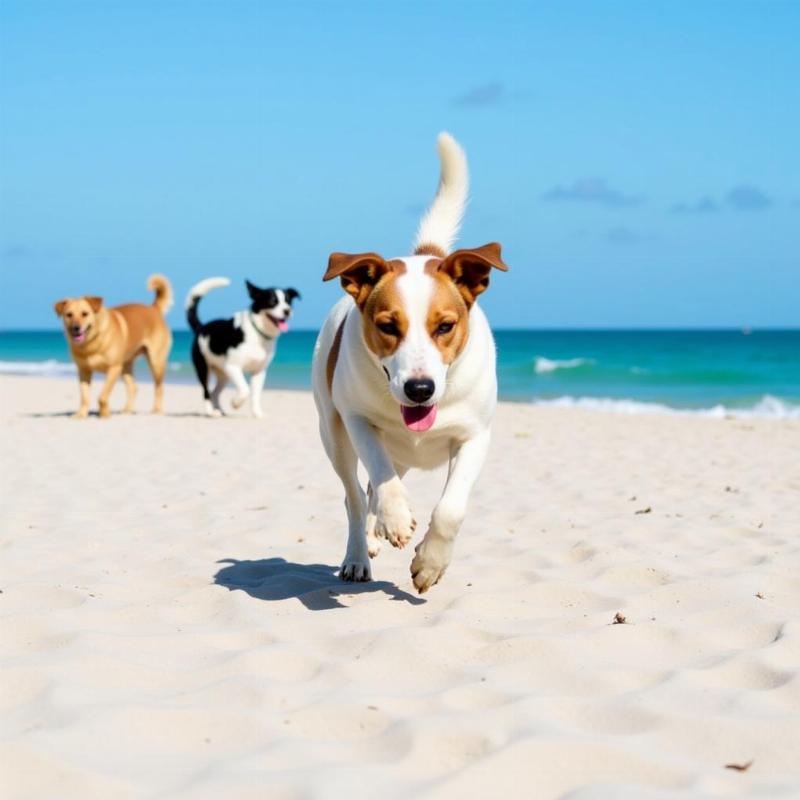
(109, 339)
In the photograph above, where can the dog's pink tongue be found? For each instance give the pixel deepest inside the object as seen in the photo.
(78, 338)
(419, 418)
(283, 326)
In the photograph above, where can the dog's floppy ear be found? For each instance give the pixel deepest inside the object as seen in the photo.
(358, 273)
(59, 307)
(291, 294)
(469, 269)
(95, 302)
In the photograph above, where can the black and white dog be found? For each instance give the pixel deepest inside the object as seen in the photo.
(243, 343)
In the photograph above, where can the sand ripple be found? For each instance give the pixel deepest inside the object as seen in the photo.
(171, 623)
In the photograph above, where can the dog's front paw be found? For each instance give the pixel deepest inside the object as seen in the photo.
(430, 562)
(105, 410)
(258, 413)
(394, 521)
(355, 571)
(81, 413)
(239, 400)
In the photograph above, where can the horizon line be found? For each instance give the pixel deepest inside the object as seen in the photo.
(570, 329)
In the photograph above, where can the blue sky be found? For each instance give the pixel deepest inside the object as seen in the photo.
(638, 161)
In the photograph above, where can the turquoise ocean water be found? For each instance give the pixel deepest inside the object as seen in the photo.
(708, 372)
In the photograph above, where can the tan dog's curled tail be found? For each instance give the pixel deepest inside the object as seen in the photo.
(163, 289)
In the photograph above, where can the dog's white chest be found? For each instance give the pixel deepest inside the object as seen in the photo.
(255, 362)
(422, 451)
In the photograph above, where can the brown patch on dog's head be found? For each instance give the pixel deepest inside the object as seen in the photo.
(469, 269)
(448, 317)
(78, 315)
(359, 273)
(385, 318)
(370, 280)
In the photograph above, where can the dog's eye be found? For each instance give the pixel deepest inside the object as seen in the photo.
(84, 313)
(69, 315)
(389, 328)
(445, 328)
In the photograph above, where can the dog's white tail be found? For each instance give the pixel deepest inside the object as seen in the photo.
(202, 288)
(193, 298)
(439, 227)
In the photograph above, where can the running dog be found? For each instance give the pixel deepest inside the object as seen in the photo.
(109, 339)
(404, 376)
(244, 343)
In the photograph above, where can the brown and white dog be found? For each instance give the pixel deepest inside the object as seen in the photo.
(109, 339)
(404, 376)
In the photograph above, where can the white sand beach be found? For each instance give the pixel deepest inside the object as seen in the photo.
(173, 627)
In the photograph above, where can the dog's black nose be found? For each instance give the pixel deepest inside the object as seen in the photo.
(419, 390)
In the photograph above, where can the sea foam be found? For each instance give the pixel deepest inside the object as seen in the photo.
(768, 407)
(542, 365)
(48, 367)
(52, 367)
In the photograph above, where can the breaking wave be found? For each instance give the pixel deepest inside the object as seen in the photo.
(768, 407)
(542, 364)
(48, 367)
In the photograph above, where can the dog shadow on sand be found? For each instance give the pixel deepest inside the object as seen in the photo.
(96, 415)
(62, 414)
(316, 586)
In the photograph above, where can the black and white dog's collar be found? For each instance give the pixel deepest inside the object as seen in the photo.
(258, 330)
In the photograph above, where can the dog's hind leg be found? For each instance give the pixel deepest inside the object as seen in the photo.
(355, 566)
(201, 369)
(373, 542)
(130, 386)
(221, 381)
(158, 366)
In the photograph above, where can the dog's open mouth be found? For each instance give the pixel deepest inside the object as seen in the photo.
(281, 324)
(79, 337)
(419, 418)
